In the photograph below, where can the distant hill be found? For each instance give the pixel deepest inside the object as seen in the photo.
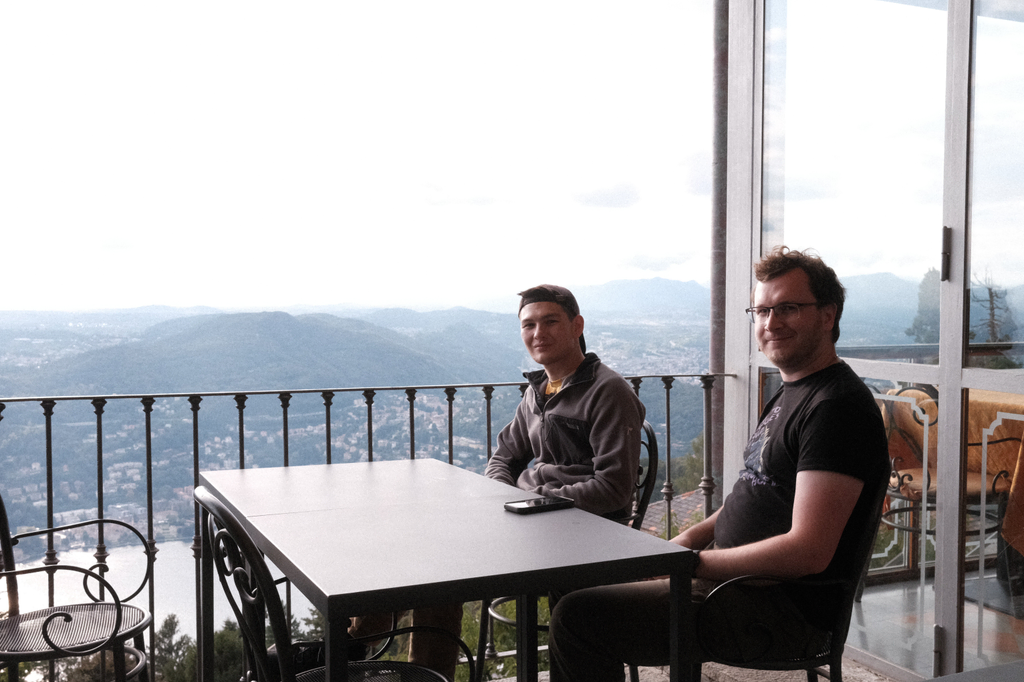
(249, 351)
(879, 309)
(644, 326)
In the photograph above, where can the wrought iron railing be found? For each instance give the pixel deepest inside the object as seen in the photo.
(198, 429)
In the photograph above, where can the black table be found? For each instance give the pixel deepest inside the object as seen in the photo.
(385, 536)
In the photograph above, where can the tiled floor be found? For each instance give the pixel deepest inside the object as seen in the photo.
(895, 623)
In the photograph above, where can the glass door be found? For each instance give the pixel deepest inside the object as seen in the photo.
(993, 566)
(892, 143)
(853, 147)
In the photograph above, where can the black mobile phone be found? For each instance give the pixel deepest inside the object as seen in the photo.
(539, 504)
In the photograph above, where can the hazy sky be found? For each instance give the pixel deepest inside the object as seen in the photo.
(256, 154)
(430, 154)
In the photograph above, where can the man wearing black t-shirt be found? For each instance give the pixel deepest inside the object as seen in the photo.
(813, 469)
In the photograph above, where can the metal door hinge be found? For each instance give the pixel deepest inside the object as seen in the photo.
(947, 252)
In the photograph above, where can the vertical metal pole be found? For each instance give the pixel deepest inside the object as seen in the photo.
(411, 395)
(51, 555)
(240, 399)
(204, 566)
(101, 547)
(147, 408)
(286, 399)
(368, 396)
(328, 399)
(488, 392)
(667, 491)
(450, 392)
(714, 437)
(707, 481)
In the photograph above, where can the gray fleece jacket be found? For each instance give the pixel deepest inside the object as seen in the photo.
(584, 441)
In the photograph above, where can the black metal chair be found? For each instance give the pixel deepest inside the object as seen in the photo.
(252, 593)
(102, 622)
(643, 490)
(762, 647)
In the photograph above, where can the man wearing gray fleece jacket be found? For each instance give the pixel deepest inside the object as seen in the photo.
(579, 422)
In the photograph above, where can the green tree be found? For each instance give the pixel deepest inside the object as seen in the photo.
(925, 328)
(688, 470)
(89, 668)
(228, 656)
(996, 323)
(170, 653)
(24, 669)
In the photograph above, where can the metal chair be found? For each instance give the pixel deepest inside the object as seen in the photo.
(102, 622)
(252, 593)
(762, 647)
(912, 483)
(643, 490)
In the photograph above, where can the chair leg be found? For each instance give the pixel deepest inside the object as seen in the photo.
(140, 645)
(484, 647)
(634, 673)
(120, 671)
(833, 673)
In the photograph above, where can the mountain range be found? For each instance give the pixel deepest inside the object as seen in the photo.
(638, 327)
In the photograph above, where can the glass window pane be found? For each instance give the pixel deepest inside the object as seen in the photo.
(994, 558)
(997, 190)
(853, 155)
(896, 615)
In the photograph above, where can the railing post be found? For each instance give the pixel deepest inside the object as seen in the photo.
(667, 491)
(101, 547)
(51, 555)
(286, 399)
(240, 399)
(328, 399)
(636, 381)
(488, 392)
(450, 392)
(204, 660)
(707, 481)
(411, 396)
(368, 397)
(151, 550)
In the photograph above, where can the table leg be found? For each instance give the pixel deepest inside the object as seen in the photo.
(526, 638)
(682, 634)
(336, 649)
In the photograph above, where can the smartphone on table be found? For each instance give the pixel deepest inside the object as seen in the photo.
(539, 504)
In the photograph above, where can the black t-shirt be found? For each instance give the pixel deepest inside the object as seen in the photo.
(827, 421)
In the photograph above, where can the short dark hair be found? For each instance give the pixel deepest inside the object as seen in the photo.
(551, 293)
(825, 285)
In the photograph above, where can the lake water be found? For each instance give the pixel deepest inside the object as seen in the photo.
(174, 579)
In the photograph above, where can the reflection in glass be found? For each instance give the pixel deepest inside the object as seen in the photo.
(853, 148)
(895, 617)
(994, 568)
(996, 334)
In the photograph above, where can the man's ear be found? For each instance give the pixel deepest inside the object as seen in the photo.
(830, 315)
(577, 325)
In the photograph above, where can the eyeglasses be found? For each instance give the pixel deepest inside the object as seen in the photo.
(783, 311)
